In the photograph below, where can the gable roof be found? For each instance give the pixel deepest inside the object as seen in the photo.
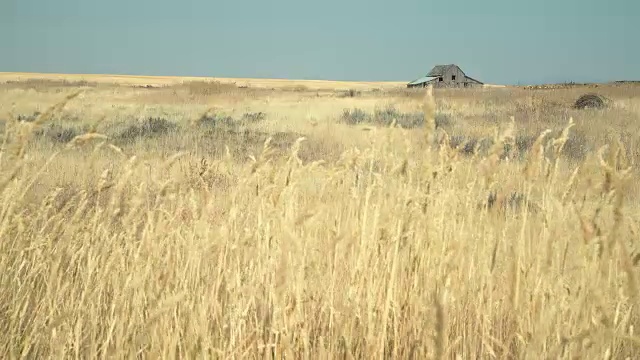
(439, 70)
(473, 80)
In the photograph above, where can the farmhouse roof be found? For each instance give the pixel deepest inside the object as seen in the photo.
(473, 80)
(439, 70)
(421, 80)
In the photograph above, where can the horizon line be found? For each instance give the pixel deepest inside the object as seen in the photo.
(133, 75)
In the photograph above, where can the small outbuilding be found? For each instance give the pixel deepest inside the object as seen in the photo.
(445, 76)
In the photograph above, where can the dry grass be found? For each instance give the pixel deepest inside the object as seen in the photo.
(207, 233)
(157, 81)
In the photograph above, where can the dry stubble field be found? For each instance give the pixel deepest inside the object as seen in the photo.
(205, 220)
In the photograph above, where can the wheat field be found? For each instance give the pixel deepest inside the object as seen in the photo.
(210, 220)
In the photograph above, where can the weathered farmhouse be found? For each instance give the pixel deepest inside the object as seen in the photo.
(445, 76)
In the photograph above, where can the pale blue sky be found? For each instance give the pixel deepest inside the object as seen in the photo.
(495, 41)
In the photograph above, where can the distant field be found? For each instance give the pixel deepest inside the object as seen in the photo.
(301, 220)
(172, 80)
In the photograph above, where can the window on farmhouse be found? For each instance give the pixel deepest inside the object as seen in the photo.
(453, 78)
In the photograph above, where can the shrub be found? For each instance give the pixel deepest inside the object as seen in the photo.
(28, 118)
(386, 116)
(217, 121)
(349, 93)
(57, 133)
(442, 120)
(523, 143)
(253, 117)
(577, 146)
(470, 145)
(148, 128)
(355, 116)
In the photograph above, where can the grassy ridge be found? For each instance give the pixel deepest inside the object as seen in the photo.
(397, 246)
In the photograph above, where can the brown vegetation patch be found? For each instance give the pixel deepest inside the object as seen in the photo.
(47, 84)
(590, 101)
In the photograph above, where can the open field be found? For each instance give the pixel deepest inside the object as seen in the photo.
(173, 80)
(208, 220)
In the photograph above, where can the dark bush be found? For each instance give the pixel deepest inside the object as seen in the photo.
(386, 116)
(463, 144)
(590, 101)
(523, 143)
(577, 146)
(253, 117)
(349, 93)
(455, 141)
(217, 121)
(405, 120)
(57, 133)
(29, 118)
(223, 122)
(355, 117)
(442, 120)
(470, 145)
(148, 128)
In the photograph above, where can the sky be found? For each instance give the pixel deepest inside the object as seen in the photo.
(494, 41)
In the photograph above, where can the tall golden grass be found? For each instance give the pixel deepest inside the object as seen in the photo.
(397, 249)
